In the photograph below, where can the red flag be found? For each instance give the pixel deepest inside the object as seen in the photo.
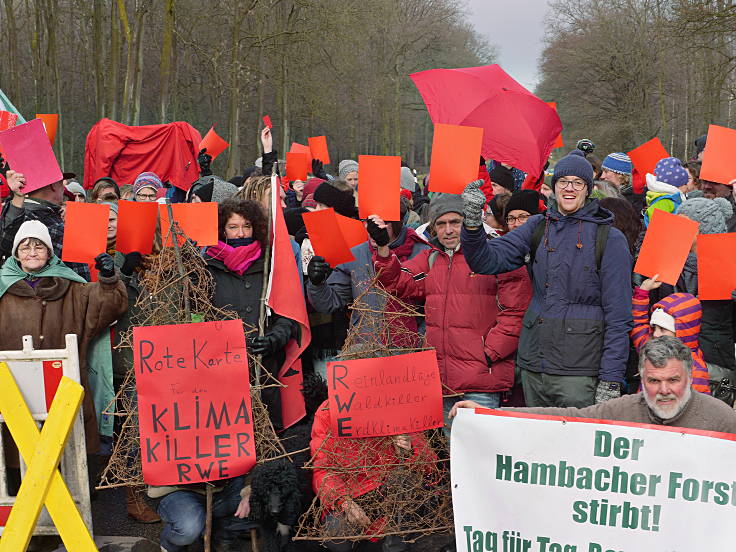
(286, 298)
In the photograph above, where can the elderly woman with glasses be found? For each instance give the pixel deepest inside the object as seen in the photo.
(574, 343)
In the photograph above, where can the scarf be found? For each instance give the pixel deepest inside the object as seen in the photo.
(11, 272)
(236, 259)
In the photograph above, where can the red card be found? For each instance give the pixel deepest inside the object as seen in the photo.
(214, 144)
(666, 245)
(7, 120)
(455, 155)
(198, 221)
(136, 226)
(558, 142)
(267, 121)
(326, 238)
(26, 147)
(719, 157)
(50, 123)
(374, 397)
(301, 148)
(85, 231)
(380, 188)
(297, 166)
(194, 408)
(353, 231)
(716, 265)
(318, 149)
(646, 156)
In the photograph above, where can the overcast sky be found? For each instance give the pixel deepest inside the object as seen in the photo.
(516, 27)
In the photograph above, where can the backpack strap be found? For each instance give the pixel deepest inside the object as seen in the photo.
(537, 236)
(601, 239)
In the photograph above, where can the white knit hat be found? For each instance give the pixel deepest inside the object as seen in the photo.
(33, 229)
(663, 320)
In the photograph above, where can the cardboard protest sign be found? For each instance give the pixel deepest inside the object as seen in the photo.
(544, 483)
(297, 166)
(326, 238)
(50, 124)
(455, 156)
(267, 121)
(719, 157)
(194, 407)
(198, 221)
(214, 144)
(666, 245)
(318, 149)
(558, 143)
(380, 188)
(716, 266)
(373, 397)
(353, 231)
(646, 156)
(7, 120)
(136, 226)
(301, 148)
(27, 149)
(85, 231)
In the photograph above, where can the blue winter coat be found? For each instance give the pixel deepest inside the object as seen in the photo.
(579, 319)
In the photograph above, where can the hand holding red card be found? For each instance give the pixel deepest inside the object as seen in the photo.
(214, 144)
(267, 121)
(85, 231)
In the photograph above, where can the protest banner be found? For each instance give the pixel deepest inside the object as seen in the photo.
(85, 232)
(666, 245)
(645, 157)
(194, 405)
(213, 143)
(719, 161)
(27, 149)
(326, 238)
(373, 397)
(455, 157)
(522, 482)
(380, 186)
(716, 266)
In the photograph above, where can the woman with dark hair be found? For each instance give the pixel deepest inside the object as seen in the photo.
(626, 219)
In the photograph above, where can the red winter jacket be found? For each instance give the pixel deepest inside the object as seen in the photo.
(469, 316)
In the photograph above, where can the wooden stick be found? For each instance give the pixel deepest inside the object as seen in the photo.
(208, 520)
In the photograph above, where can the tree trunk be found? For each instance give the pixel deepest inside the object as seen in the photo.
(12, 52)
(114, 68)
(129, 64)
(98, 57)
(233, 159)
(166, 50)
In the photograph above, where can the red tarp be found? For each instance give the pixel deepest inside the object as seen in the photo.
(123, 152)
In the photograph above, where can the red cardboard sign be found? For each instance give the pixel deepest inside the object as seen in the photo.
(380, 188)
(318, 149)
(7, 120)
(198, 221)
(326, 238)
(214, 143)
(558, 143)
(719, 157)
(301, 148)
(267, 121)
(646, 156)
(375, 397)
(194, 407)
(85, 231)
(716, 265)
(26, 147)
(455, 154)
(352, 230)
(297, 166)
(50, 123)
(136, 226)
(666, 245)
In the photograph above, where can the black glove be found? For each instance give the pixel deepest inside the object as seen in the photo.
(105, 265)
(318, 270)
(132, 260)
(318, 169)
(378, 235)
(4, 166)
(205, 160)
(263, 345)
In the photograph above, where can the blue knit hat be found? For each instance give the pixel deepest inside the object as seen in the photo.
(618, 162)
(574, 164)
(670, 171)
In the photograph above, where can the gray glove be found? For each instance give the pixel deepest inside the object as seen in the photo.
(607, 390)
(474, 200)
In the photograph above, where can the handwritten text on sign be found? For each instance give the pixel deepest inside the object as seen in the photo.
(194, 405)
(373, 397)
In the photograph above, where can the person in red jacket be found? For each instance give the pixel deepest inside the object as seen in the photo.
(473, 320)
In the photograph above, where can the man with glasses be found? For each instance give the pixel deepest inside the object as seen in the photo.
(574, 341)
(146, 187)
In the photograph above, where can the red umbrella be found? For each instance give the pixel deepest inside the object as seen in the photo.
(519, 128)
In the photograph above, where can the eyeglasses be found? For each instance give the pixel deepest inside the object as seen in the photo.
(521, 218)
(146, 197)
(27, 249)
(577, 185)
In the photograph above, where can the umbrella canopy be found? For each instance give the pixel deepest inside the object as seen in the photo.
(519, 128)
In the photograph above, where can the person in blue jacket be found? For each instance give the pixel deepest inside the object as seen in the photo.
(574, 341)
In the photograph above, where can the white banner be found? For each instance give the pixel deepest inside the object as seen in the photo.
(542, 484)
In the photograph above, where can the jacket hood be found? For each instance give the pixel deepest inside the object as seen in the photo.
(654, 185)
(591, 211)
(687, 312)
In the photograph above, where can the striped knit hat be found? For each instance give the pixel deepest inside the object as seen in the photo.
(618, 163)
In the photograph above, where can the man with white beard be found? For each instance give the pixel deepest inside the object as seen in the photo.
(665, 366)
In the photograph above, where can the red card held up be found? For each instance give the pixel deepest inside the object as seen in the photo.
(50, 123)
(85, 231)
(719, 157)
(352, 230)
(318, 149)
(267, 121)
(666, 245)
(455, 155)
(326, 238)
(136, 226)
(27, 149)
(380, 188)
(716, 265)
(198, 221)
(301, 148)
(646, 156)
(214, 143)
(297, 166)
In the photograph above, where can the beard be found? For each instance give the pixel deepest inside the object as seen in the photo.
(673, 408)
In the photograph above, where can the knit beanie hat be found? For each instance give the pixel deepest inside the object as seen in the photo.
(408, 180)
(710, 214)
(342, 202)
(574, 164)
(502, 176)
(213, 188)
(700, 144)
(523, 200)
(442, 204)
(311, 185)
(32, 229)
(113, 205)
(619, 163)
(345, 167)
(147, 180)
(670, 171)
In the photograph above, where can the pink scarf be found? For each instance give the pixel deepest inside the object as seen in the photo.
(236, 259)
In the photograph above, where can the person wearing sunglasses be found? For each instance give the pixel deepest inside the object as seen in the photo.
(574, 343)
